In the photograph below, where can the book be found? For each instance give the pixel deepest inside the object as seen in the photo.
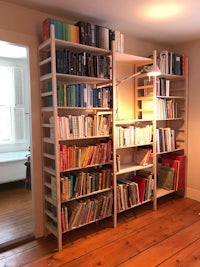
(177, 65)
(102, 36)
(182, 168)
(118, 162)
(166, 177)
(143, 156)
(63, 31)
(175, 164)
(141, 181)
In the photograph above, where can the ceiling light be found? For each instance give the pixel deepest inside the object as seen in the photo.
(163, 10)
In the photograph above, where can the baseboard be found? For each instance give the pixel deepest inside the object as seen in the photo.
(193, 193)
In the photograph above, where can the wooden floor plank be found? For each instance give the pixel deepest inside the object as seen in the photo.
(15, 213)
(131, 237)
(189, 256)
(133, 243)
(157, 254)
(141, 233)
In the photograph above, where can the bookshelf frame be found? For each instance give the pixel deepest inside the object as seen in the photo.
(51, 142)
(129, 109)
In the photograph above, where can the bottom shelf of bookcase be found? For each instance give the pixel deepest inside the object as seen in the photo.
(163, 192)
(134, 206)
(85, 224)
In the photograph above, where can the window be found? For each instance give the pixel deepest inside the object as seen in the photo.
(14, 107)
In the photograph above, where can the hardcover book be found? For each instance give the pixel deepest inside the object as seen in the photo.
(166, 178)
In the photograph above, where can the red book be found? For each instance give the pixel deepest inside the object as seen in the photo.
(46, 28)
(141, 185)
(182, 168)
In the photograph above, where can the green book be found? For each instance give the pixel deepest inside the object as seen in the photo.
(166, 177)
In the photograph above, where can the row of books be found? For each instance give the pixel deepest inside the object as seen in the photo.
(63, 31)
(82, 183)
(162, 87)
(165, 140)
(171, 172)
(76, 157)
(95, 35)
(172, 63)
(82, 32)
(133, 135)
(104, 123)
(83, 211)
(82, 64)
(166, 109)
(119, 41)
(82, 95)
(134, 190)
(74, 126)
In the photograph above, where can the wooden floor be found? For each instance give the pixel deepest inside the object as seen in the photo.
(167, 237)
(16, 223)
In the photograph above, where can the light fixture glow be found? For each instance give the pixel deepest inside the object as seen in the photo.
(151, 70)
(163, 11)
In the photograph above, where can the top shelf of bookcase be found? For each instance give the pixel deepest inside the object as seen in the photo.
(74, 47)
(172, 77)
(126, 58)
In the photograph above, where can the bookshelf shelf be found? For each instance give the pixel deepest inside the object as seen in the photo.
(127, 168)
(75, 78)
(170, 119)
(86, 167)
(138, 145)
(87, 195)
(170, 151)
(131, 59)
(162, 192)
(75, 47)
(49, 170)
(85, 138)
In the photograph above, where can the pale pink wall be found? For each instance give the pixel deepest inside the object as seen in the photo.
(19, 25)
(192, 50)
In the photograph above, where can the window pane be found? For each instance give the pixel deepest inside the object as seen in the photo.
(19, 124)
(6, 86)
(5, 125)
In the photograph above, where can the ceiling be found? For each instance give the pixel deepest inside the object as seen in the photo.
(164, 21)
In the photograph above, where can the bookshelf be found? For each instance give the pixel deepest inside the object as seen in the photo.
(150, 115)
(104, 142)
(76, 112)
(171, 119)
(133, 142)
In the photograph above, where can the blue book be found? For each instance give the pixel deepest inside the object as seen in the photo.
(50, 98)
(81, 88)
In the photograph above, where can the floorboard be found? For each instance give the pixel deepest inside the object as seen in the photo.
(143, 237)
(15, 214)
